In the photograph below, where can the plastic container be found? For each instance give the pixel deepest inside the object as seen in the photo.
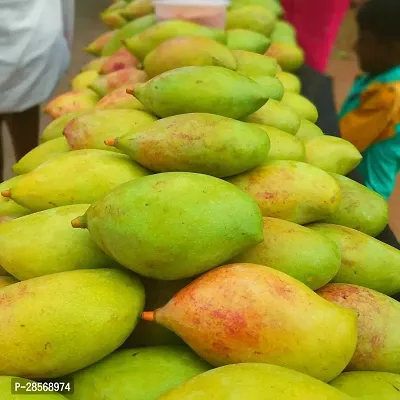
(210, 13)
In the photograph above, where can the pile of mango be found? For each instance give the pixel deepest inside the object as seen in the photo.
(186, 231)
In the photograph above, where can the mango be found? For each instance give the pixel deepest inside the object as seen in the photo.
(55, 129)
(332, 154)
(139, 373)
(7, 281)
(361, 208)
(254, 381)
(28, 248)
(251, 64)
(96, 47)
(243, 39)
(6, 383)
(308, 130)
(300, 252)
(130, 29)
(258, 314)
(91, 130)
(120, 99)
(120, 60)
(291, 190)
(131, 222)
(127, 76)
(137, 8)
(39, 155)
(367, 385)
(188, 51)
(77, 177)
(272, 86)
(277, 115)
(94, 65)
(60, 323)
(272, 5)
(112, 16)
(254, 18)
(10, 210)
(284, 32)
(302, 106)
(284, 146)
(144, 42)
(84, 80)
(76, 100)
(201, 90)
(378, 346)
(365, 261)
(290, 82)
(289, 56)
(203, 143)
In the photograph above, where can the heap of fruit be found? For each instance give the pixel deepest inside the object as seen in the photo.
(222, 254)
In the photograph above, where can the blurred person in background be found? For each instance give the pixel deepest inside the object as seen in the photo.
(35, 40)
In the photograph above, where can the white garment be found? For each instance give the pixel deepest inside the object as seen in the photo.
(34, 50)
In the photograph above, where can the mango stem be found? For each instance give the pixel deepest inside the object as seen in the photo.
(110, 142)
(79, 222)
(149, 316)
(6, 193)
(130, 91)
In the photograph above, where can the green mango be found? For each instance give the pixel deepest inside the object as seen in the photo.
(91, 130)
(378, 347)
(361, 208)
(243, 39)
(291, 190)
(368, 385)
(137, 8)
(130, 29)
(277, 115)
(10, 210)
(139, 373)
(254, 18)
(159, 226)
(254, 382)
(300, 252)
(204, 143)
(112, 16)
(251, 64)
(144, 42)
(28, 248)
(302, 106)
(289, 56)
(94, 65)
(332, 154)
(77, 177)
(7, 281)
(55, 129)
(284, 146)
(60, 323)
(308, 130)
(120, 99)
(272, 5)
(366, 261)
(284, 32)
(272, 86)
(201, 90)
(188, 51)
(96, 47)
(39, 155)
(84, 79)
(290, 82)
(8, 382)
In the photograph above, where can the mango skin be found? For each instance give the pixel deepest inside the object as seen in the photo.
(251, 64)
(84, 79)
(91, 130)
(96, 46)
(365, 261)
(284, 32)
(55, 128)
(203, 143)
(243, 39)
(332, 154)
(277, 115)
(188, 51)
(254, 18)
(150, 206)
(137, 8)
(378, 322)
(272, 5)
(119, 99)
(122, 59)
(302, 106)
(284, 146)
(253, 381)
(308, 130)
(144, 42)
(40, 154)
(291, 190)
(367, 385)
(87, 176)
(9, 209)
(91, 313)
(201, 90)
(28, 248)
(361, 208)
(272, 86)
(305, 255)
(289, 56)
(138, 373)
(258, 314)
(94, 65)
(290, 82)
(7, 281)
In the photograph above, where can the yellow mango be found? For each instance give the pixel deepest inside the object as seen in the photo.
(243, 39)
(289, 56)
(290, 82)
(96, 47)
(120, 99)
(308, 129)
(252, 64)
(302, 106)
(254, 18)
(84, 80)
